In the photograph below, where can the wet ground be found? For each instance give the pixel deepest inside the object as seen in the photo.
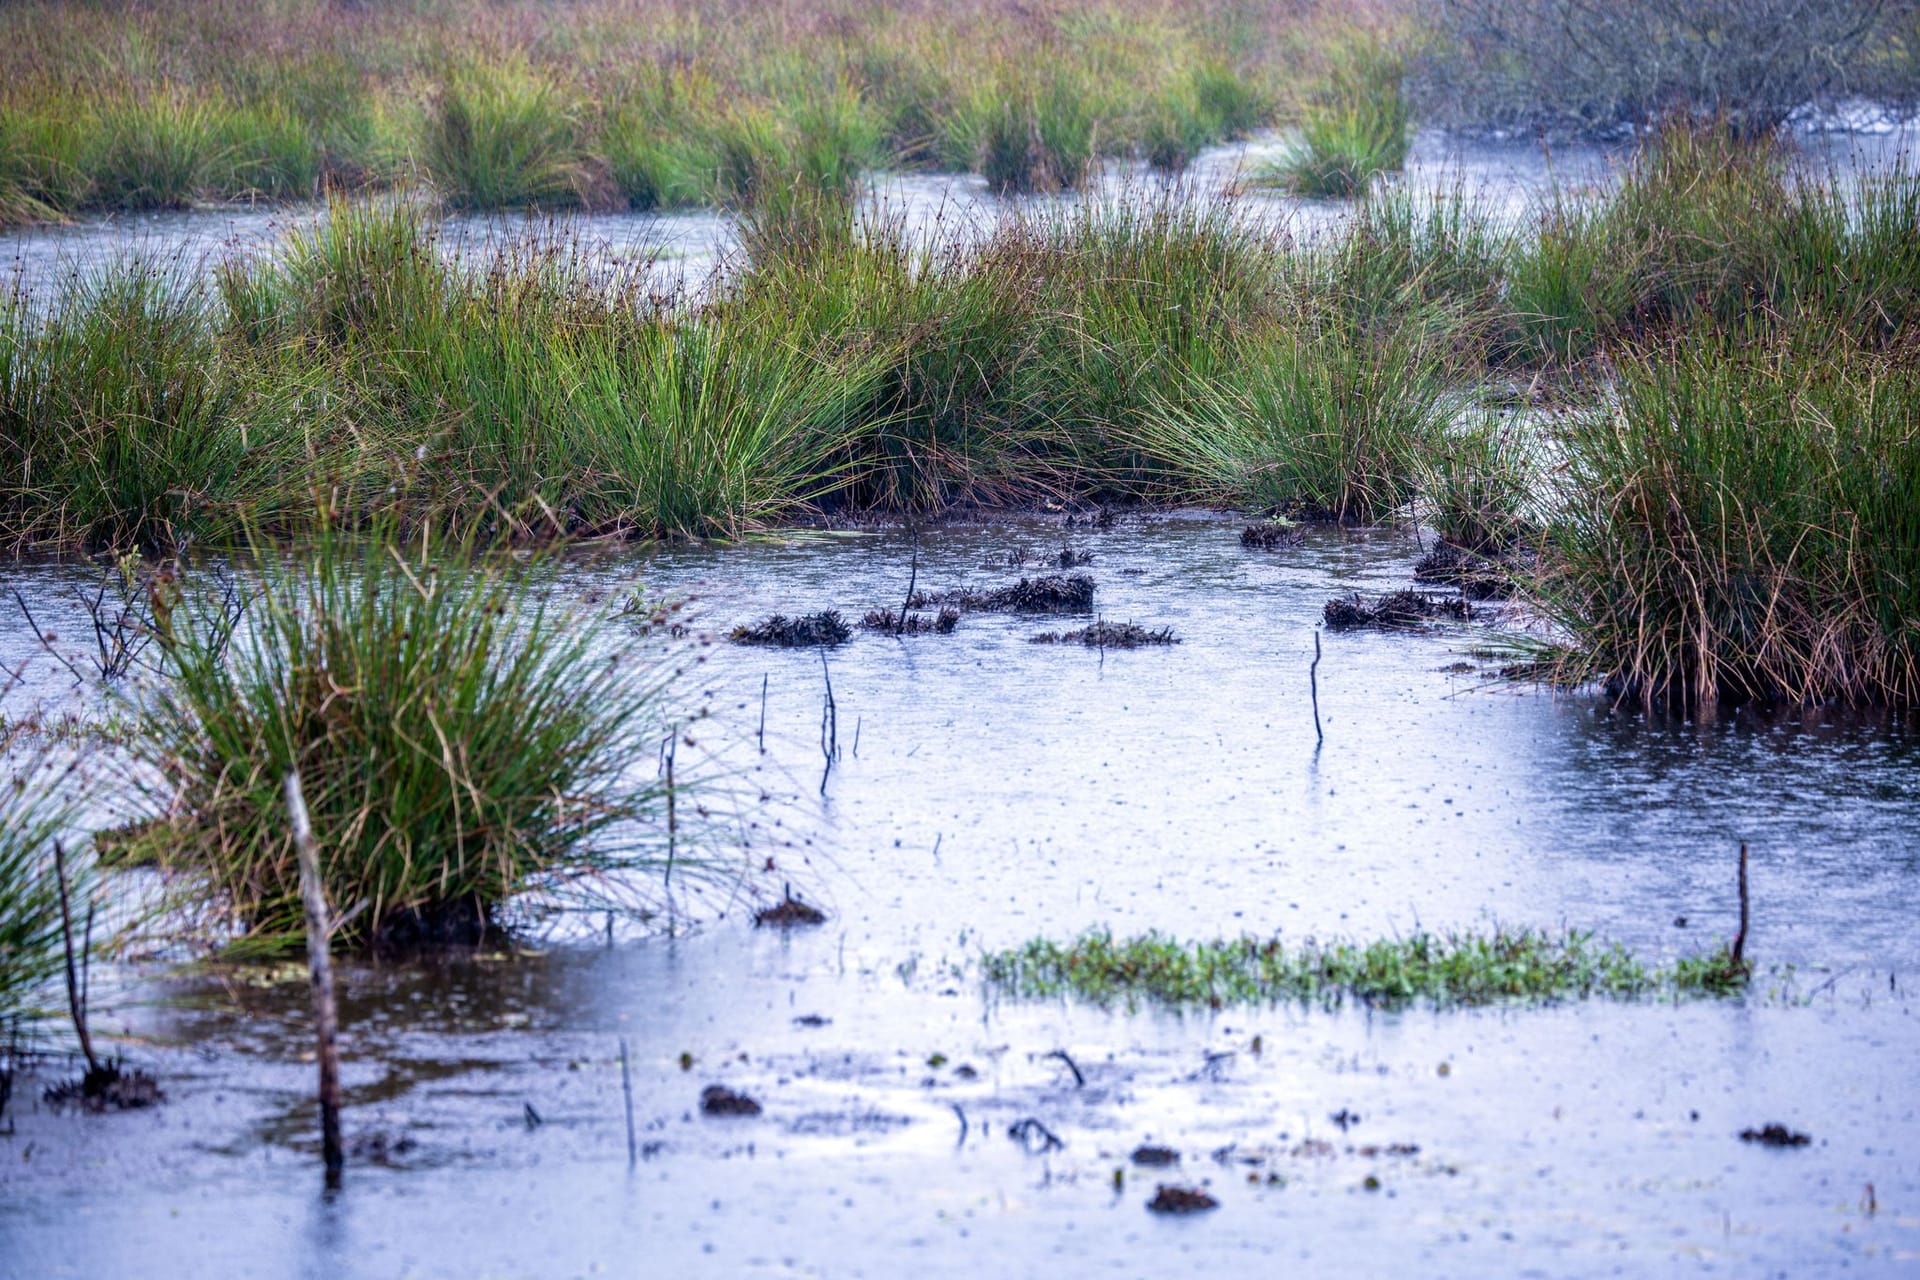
(680, 250)
(1001, 789)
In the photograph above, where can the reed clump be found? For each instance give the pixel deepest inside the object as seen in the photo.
(1354, 127)
(1740, 523)
(464, 744)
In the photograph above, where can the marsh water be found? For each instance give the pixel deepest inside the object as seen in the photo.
(679, 250)
(990, 789)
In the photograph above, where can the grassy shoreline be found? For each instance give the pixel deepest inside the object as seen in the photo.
(1148, 348)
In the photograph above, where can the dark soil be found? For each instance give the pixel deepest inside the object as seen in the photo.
(1479, 577)
(917, 624)
(1110, 635)
(1397, 611)
(1151, 1157)
(824, 628)
(718, 1100)
(1168, 1199)
(1054, 593)
(1270, 535)
(788, 912)
(458, 922)
(1775, 1135)
(108, 1087)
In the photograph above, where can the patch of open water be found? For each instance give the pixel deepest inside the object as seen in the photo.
(1003, 789)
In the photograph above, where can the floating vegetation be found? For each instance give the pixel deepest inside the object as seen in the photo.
(1475, 576)
(1396, 611)
(1110, 635)
(788, 912)
(1775, 1135)
(912, 624)
(718, 1100)
(1445, 969)
(826, 628)
(1055, 593)
(1171, 1199)
(1270, 535)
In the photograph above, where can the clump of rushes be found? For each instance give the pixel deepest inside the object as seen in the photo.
(1025, 135)
(1480, 483)
(504, 135)
(120, 421)
(1353, 127)
(33, 814)
(1741, 523)
(1506, 965)
(1320, 418)
(462, 741)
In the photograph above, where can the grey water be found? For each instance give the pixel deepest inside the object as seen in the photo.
(989, 790)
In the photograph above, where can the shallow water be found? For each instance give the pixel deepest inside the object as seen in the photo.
(1002, 789)
(679, 251)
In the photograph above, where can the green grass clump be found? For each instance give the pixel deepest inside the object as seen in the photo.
(1522, 965)
(1742, 523)
(155, 151)
(1025, 136)
(1353, 128)
(32, 817)
(503, 135)
(1319, 416)
(121, 422)
(460, 739)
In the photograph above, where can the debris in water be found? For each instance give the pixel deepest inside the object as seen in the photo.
(1270, 535)
(107, 1087)
(824, 628)
(718, 1100)
(378, 1148)
(1110, 635)
(917, 624)
(1152, 1157)
(1478, 576)
(1054, 593)
(1171, 1199)
(1034, 1136)
(812, 1020)
(1401, 609)
(1775, 1135)
(788, 912)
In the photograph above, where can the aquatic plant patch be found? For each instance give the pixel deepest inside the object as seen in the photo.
(1053, 593)
(1394, 611)
(1467, 968)
(1111, 635)
(826, 629)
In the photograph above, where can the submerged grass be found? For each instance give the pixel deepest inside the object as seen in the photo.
(460, 739)
(1524, 965)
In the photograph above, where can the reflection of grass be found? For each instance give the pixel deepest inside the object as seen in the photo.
(1452, 969)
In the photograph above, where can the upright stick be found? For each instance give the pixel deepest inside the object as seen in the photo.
(1740, 938)
(626, 1087)
(1313, 685)
(320, 964)
(913, 580)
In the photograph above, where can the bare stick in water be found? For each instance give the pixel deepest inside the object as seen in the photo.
(1740, 938)
(829, 725)
(1313, 684)
(626, 1087)
(76, 995)
(673, 823)
(763, 715)
(913, 578)
(320, 965)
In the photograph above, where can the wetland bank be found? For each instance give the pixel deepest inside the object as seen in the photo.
(1080, 717)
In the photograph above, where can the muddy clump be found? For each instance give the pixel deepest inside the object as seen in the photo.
(1021, 557)
(1397, 611)
(107, 1087)
(1110, 635)
(1272, 535)
(1775, 1135)
(915, 624)
(1053, 593)
(1152, 1157)
(718, 1100)
(1478, 576)
(380, 1148)
(787, 913)
(1172, 1199)
(825, 628)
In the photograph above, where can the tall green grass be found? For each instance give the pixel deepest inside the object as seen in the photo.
(34, 812)
(462, 740)
(1742, 522)
(504, 135)
(1354, 127)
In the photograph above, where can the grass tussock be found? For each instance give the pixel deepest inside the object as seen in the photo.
(1740, 523)
(461, 739)
(1354, 127)
(1503, 966)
